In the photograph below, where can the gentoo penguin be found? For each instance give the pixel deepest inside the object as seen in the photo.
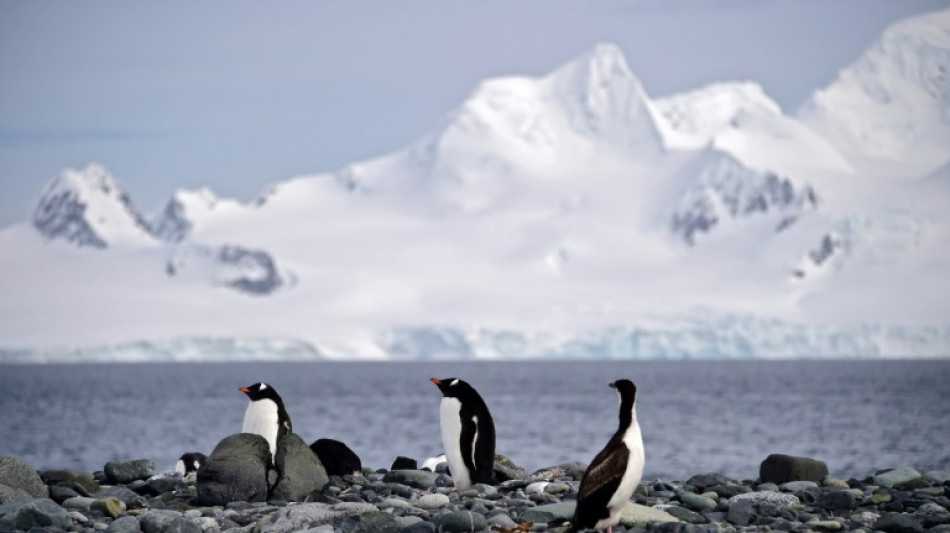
(615, 473)
(468, 433)
(337, 458)
(190, 462)
(265, 415)
(432, 463)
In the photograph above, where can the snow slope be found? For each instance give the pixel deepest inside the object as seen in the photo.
(568, 215)
(893, 103)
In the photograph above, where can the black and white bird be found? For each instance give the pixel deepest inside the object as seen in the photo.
(468, 433)
(190, 462)
(265, 415)
(615, 472)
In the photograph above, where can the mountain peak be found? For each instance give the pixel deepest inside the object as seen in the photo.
(605, 100)
(893, 103)
(88, 207)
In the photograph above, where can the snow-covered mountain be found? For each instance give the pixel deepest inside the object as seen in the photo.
(89, 208)
(893, 103)
(567, 215)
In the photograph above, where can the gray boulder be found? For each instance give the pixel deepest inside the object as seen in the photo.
(310, 515)
(462, 522)
(697, 502)
(82, 482)
(125, 524)
(778, 468)
(371, 522)
(156, 520)
(504, 469)
(549, 513)
(22, 479)
(129, 497)
(420, 479)
(183, 525)
(236, 471)
(897, 476)
(33, 513)
(125, 472)
(300, 472)
(10, 494)
(704, 481)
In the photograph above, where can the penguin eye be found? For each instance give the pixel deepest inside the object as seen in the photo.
(454, 382)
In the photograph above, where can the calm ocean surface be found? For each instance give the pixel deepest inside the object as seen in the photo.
(858, 416)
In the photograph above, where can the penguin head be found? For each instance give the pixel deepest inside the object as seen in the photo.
(626, 389)
(453, 387)
(260, 391)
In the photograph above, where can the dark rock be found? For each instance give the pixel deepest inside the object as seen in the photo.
(420, 479)
(122, 472)
(404, 463)
(703, 481)
(837, 500)
(236, 471)
(462, 522)
(130, 498)
(505, 469)
(728, 491)
(71, 478)
(420, 527)
(300, 471)
(125, 524)
(303, 516)
(183, 525)
(156, 520)
(16, 474)
(337, 458)
(899, 523)
(371, 522)
(686, 515)
(897, 476)
(33, 513)
(162, 483)
(111, 506)
(913, 484)
(60, 494)
(10, 494)
(779, 468)
(741, 513)
(697, 502)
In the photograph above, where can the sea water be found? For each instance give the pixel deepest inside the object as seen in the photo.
(696, 416)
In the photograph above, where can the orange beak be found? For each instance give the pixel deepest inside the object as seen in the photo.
(433, 380)
(245, 390)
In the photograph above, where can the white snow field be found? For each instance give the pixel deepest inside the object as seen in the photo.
(570, 215)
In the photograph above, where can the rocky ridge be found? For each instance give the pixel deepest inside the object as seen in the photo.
(128, 497)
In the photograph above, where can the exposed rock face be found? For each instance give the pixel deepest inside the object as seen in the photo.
(299, 471)
(779, 468)
(237, 470)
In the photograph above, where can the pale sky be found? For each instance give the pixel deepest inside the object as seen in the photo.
(236, 95)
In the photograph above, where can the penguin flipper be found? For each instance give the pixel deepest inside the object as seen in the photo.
(608, 467)
(468, 437)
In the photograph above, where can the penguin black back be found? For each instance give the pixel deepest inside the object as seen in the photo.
(615, 472)
(337, 458)
(468, 433)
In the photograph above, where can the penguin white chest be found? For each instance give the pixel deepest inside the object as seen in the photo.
(451, 424)
(632, 474)
(261, 418)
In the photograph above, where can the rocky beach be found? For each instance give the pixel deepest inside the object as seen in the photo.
(239, 490)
